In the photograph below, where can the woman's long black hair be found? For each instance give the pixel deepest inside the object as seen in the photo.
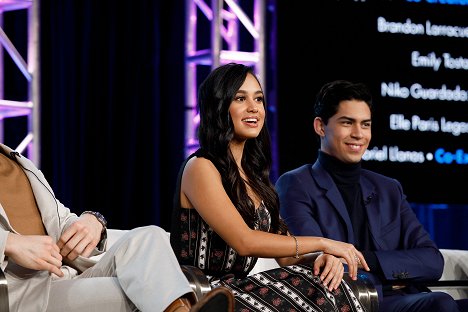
(215, 132)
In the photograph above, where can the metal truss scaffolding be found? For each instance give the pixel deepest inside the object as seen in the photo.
(29, 107)
(219, 32)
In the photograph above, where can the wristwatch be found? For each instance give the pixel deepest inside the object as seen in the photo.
(103, 221)
(99, 217)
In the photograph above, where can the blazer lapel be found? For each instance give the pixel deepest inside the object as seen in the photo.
(325, 181)
(369, 197)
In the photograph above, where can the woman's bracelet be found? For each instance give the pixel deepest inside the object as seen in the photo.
(297, 247)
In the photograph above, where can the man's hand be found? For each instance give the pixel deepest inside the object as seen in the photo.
(330, 269)
(37, 252)
(81, 237)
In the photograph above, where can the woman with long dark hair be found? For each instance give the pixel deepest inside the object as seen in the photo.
(226, 212)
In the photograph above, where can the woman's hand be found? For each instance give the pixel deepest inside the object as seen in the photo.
(349, 253)
(330, 269)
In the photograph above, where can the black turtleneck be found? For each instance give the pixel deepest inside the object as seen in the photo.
(347, 177)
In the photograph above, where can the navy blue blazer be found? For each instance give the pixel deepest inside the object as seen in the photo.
(311, 205)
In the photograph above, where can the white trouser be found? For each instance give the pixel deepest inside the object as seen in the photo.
(138, 272)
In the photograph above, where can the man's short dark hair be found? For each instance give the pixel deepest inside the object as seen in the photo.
(332, 93)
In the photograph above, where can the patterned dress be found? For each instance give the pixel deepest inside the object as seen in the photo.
(292, 288)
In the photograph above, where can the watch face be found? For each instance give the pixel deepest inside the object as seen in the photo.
(100, 217)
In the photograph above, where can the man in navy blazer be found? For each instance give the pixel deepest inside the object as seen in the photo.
(337, 199)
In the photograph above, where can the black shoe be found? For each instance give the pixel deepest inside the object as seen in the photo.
(219, 299)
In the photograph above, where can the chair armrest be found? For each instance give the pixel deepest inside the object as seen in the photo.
(454, 280)
(455, 264)
(197, 280)
(4, 303)
(364, 290)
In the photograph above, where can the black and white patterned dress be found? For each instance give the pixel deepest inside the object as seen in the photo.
(292, 288)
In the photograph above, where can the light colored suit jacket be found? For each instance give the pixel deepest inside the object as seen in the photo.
(29, 289)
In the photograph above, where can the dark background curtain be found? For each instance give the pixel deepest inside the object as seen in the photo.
(112, 106)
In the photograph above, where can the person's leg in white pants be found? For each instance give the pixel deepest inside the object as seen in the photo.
(140, 267)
